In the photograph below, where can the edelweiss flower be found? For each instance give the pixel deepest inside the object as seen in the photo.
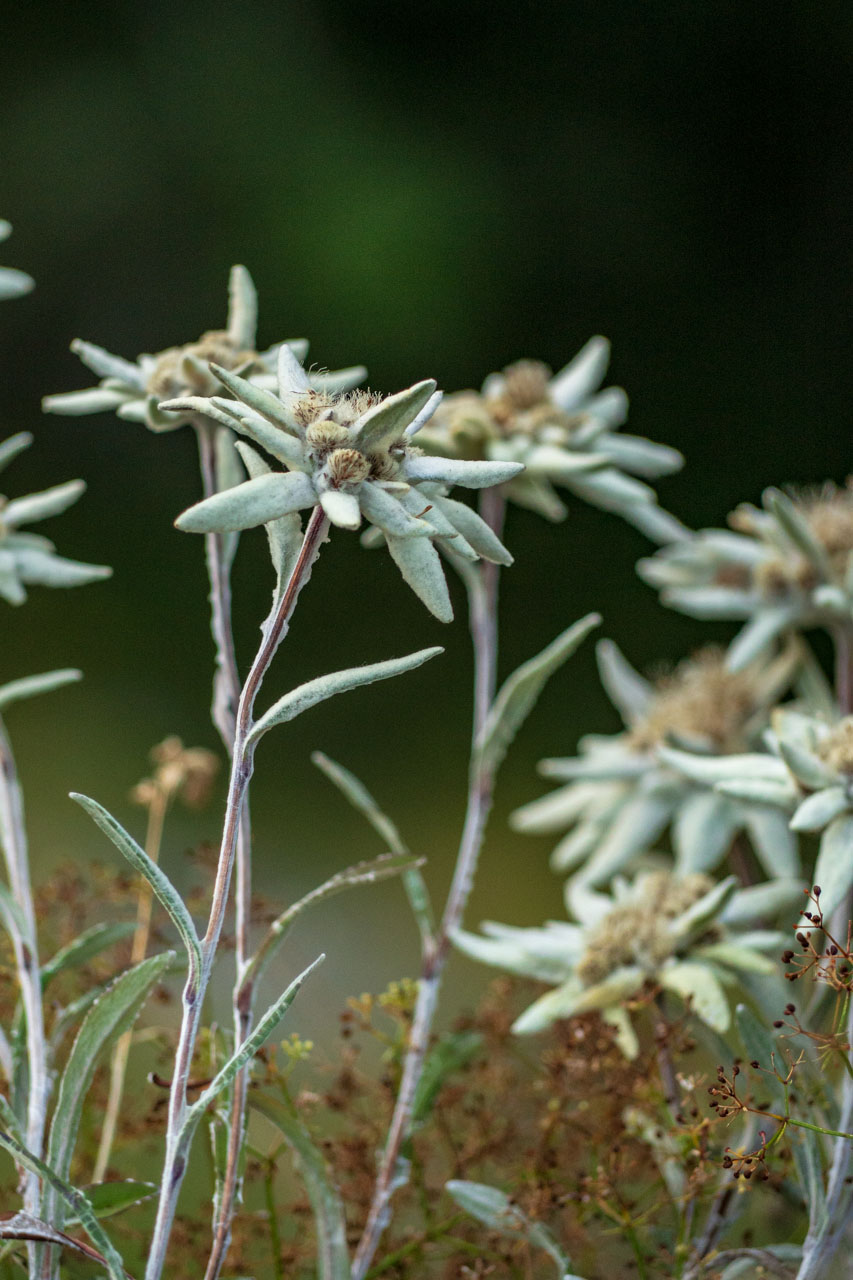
(677, 933)
(27, 559)
(622, 792)
(351, 453)
(808, 774)
(564, 431)
(135, 390)
(787, 566)
(13, 284)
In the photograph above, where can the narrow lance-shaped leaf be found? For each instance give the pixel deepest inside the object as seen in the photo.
(23, 1226)
(16, 444)
(495, 1210)
(308, 695)
(109, 1198)
(30, 686)
(332, 1256)
(108, 1018)
(389, 864)
(518, 695)
(249, 1048)
(156, 877)
(88, 944)
(75, 1200)
(360, 798)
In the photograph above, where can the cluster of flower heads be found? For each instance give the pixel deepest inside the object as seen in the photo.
(30, 559)
(564, 429)
(621, 792)
(13, 283)
(682, 934)
(788, 565)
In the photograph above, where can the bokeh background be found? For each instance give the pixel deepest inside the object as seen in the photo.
(433, 190)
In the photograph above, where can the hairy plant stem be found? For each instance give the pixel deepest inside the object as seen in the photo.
(825, 1235)
(226, 698)
(482, 582)
(843, 638)
(25, 943)
(178, 1139)
(153, 838)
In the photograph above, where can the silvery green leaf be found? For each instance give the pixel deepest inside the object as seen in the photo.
(585, 903)
(75, 1200)
(532, 956)
(578, 844)
(40, 506)
(41, 568)
(519, 693)
(386, 422)
(292, 378)
(242, 308)
(738, 956)
(704, 602)
(252, 503)
(629, 692)
(637, 826)
(608, 407)
(474, 530)
(627, 1040)
(287, 448)
(704, 827)
(612, 491)
(314, 691)
(805, 765)
(834, 867)
(114, 1013)
(216, 409)
(30, 686)
(744, 1268)
(257, 398)
(332, 1258)
(752, 640)
(816, 810)
(760, 791)
(702, 912)
(106, 365)
(759, 901)
(697, 983)
(550, 812)
(536, 494)
(156, 877)
(798, 531)
(285, 534)
(616, 765)
(78, 403)
(14, 283)
(11, 589)
(386, 511)
(109, 1198)
(341, 508)
(86, 945)
(581, 376)
(335, 381)
(470, 475)
(420, 565)
(421, 505)
(12, 914)
(249, 1048)
(775, 844)
(712, 769)
(640, 456)
(13, 446)
(561, 465)
(655, 523)
(497, 1212)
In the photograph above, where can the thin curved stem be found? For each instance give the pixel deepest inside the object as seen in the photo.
(177, 1139)
(482, 582)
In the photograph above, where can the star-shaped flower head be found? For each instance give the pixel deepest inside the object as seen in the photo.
(680, 933)
(565, 431)
(134, 390)
(13, 283)
(786, 566)
(351, 453)
(808, 773)
(621, 793)
(27, 559)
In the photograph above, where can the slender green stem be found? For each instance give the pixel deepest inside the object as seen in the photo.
(178, 1138)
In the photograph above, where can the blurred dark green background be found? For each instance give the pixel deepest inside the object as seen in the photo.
(432, 190)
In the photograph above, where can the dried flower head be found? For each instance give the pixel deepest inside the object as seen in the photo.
(785, 566)
(186, 773)
(351, 453)
(622, 791)
(28, 559)
(134, 390)
(676, 932)
(564, 430)
(13, 283)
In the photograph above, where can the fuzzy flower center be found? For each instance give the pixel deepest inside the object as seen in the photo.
(837, 750)
(638, 932)
(701, 699)
(829, 516)
(182, 371)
